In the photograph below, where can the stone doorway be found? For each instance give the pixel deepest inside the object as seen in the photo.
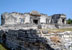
(35, 21)
(63, 20)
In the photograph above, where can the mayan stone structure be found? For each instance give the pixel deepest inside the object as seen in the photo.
(22, 31)
(33, 17)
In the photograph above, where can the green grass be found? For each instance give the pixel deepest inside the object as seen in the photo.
(58, 30)
(66, 29)
(2, 48)
(61, 30)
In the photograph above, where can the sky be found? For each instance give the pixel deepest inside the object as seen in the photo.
(48, 7)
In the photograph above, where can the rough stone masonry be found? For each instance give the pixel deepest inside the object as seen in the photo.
(22, 31)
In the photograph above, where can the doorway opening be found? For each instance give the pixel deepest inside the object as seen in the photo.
(35, 21)
(63, 21)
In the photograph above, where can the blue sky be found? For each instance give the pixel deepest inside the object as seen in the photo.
(49, 7)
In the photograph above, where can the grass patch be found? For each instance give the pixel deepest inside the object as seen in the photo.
(2, 48)
(65, 29)
(58, 30)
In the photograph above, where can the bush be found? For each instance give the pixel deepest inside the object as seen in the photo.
(69, 21)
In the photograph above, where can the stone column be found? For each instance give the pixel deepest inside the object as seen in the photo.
(65, 21)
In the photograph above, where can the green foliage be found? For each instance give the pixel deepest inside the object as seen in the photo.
(69, 21)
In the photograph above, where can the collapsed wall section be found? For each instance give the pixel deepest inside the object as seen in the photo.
(24, 39)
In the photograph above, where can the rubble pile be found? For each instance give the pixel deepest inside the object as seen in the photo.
(36, 39)
(60, 40)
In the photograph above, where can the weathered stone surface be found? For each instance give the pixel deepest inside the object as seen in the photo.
(36, 18)
(20, 31)
(30, 40)
(27, 39)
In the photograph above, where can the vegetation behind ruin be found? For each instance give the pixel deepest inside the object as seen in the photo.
(69, 21)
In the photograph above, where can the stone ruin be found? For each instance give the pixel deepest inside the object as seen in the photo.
(22, 31)
(33, 20)
(33, 17)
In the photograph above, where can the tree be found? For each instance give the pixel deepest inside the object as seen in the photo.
(69, 21)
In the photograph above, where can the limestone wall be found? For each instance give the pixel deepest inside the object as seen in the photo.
(43, 19)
